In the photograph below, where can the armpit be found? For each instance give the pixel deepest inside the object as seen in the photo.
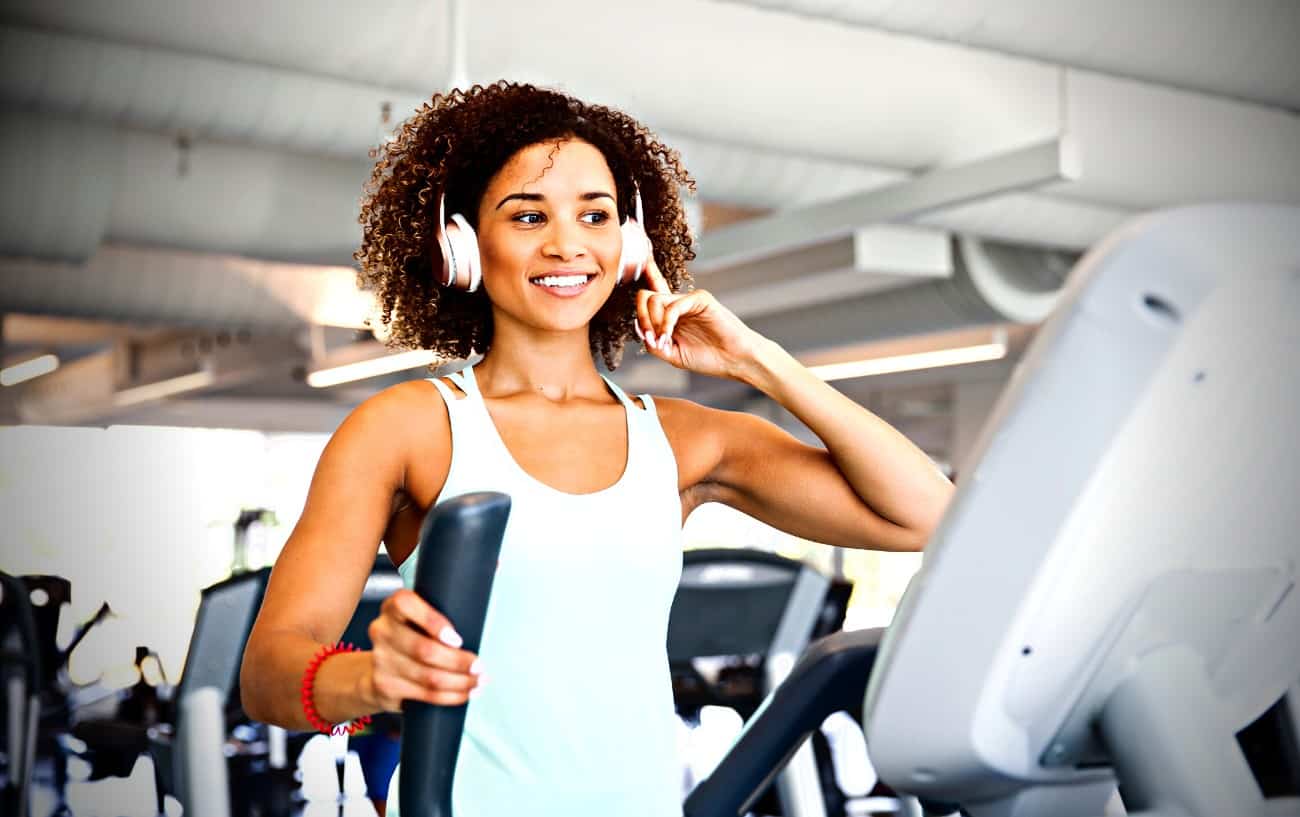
(401, 501)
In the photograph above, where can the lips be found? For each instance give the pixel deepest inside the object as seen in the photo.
(568, 290)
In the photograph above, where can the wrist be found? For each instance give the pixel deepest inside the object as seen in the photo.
(332, 690)
(363, 687)
(765, 366)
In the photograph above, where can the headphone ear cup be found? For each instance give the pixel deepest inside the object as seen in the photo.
(461, 266)
(636, 252)
(448, 271)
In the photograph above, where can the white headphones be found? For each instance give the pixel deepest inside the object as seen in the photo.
(462, 269)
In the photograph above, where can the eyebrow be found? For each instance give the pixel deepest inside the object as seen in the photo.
(596, 194)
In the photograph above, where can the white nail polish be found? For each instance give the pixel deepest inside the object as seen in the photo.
(450, 637)
(477, 667)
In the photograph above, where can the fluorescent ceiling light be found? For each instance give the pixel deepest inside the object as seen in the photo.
(906, 363)
(339, 302)
(164, 388)
(37, 366)
(373, 367)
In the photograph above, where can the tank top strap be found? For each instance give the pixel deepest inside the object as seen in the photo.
(632, 409)
(447, 396)
(465, 379)
(456, 404)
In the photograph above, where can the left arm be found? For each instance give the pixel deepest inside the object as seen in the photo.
(870, 488)
(901, 493)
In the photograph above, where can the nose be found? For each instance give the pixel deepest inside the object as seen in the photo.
(564, 241)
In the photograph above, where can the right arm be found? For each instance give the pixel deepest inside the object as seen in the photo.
(319, 576)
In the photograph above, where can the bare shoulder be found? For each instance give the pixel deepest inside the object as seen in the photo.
(690, 417)
(697, 435)
(403, 413)
(686, 415)
(389, 433)
(716, 447)
(366, 463)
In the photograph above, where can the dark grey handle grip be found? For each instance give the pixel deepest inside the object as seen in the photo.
(831, 676)
(460, 542)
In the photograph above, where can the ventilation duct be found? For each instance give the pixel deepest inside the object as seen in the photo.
(69, 185)
(1021, 284)
(165, 90)
(991, 282)
(59, 179)
(167, 288)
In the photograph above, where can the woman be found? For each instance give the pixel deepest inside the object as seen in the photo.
(600, 482)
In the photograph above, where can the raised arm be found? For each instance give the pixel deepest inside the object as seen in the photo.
(870, 487)
(760, 469)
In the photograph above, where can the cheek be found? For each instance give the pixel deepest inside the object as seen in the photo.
(503, 253)
(608, 247)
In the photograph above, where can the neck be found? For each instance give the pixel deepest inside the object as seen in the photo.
(554, 365)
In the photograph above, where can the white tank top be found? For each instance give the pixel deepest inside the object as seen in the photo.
(577, 717)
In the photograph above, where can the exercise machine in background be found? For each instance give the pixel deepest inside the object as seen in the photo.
(1110, 599)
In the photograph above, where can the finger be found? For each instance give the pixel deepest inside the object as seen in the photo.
(656, 308)
(655, 277)
(401, 690)
(650, 309)
(410, 643)
(431, 678)
(408, 607)
(688, 304)
(640, 319)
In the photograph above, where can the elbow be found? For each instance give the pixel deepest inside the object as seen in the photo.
(248, 686)
(917, 542)
(920, 535)
(911, 540)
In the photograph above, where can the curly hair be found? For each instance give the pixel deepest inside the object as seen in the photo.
(457, 142)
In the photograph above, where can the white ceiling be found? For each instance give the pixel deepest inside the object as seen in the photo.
(1167, 103)
(1244, 50)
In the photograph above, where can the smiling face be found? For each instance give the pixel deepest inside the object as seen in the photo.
(549, 236)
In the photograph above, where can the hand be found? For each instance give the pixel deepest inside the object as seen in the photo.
(692, 330)
(406, 663)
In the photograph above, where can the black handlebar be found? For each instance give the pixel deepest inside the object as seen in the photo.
(460, 541)
(830, 676)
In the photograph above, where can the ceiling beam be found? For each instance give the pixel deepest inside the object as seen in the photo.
(1043, 163)
(870, 259)
(141, 372)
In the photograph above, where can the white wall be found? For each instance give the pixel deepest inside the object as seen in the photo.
(140, 517)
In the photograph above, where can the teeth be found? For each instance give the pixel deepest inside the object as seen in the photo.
(561, 280)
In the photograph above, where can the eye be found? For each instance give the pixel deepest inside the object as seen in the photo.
(596, 217)
(529, 217)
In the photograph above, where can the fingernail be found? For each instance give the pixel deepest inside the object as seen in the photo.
(667, 342)
(477, 667)
(650, 337)
(450, 637)
(636, 327)
(473, 693)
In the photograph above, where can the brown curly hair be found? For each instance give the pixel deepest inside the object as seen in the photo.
(457, 142)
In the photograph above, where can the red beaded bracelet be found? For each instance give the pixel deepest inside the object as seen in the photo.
(309, 706)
